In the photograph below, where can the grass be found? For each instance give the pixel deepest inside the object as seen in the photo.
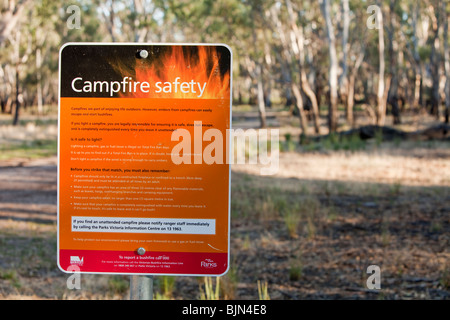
(118, 284)
(335, 142)
(34, 137)
(164, 286)
(296, 267)
(34, 149)
(445, 278)
(293, 208)
(210, 292)
(12, 277)
(292, 220)
(263, 290)
(295, 271)
(230, 282)
(288, 144)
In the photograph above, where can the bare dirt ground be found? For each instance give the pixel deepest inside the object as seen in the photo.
(378, 208)
(309, 232)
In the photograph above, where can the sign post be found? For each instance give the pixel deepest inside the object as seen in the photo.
(141, 287)
(143, 172)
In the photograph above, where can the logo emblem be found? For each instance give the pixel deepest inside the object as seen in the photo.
(75, 260)
(208, 263)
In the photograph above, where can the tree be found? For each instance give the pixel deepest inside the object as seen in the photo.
(418, 74)
(298, 44)
(393, 98)
(351, 87)
(381, 95)
(435, 58)
(257, 16)
(301, 50)
(343, 78)
(11, 13)
(447, 61)
(19, 58)
(333, 71)
(287, 61)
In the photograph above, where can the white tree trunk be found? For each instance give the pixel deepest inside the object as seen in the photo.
(260, 95)
(381, 109)
(39, 81)
(333, 80)
(343, 81)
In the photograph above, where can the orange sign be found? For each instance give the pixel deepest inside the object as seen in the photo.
(144, 181)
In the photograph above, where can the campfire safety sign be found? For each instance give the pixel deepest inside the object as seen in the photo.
(143, 173)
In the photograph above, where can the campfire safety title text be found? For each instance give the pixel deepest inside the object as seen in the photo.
(127, 85)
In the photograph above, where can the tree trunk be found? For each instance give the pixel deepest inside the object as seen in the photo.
(393, 55)
(109, 16)
(333, 80)
(17, 110)
(418, 68)
(39, 81)
(417, 86)
(435, 63)
(301, 111)
(351, 89)
(343, 80)
(260, 95)
(287, 79)
(381, 108)
(350, 100)
(447, 63)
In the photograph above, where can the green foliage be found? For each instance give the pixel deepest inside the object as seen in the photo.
(164, 287)
(295, 269)
(288, 144)
(292, 219)
(424, 53)
(30, 150)
(337, 142)
(12, 277)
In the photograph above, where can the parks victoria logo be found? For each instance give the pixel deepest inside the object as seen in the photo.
(208, 263)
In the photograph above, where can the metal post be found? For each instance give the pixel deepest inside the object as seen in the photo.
(141, 287)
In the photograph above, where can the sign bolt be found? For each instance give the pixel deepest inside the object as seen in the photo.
(141, 251)
(143, 54)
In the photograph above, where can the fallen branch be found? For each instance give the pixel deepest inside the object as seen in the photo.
(438, 132)
(362, 290)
